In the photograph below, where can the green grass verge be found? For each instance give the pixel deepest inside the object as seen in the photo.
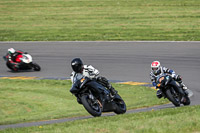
(33, 100)
(70, 20)
(171, 120)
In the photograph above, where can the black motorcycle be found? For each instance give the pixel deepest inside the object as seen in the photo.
(96, 98)
(172, 90)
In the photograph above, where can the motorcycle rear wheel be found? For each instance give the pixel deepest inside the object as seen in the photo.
(120, 106)
(93, 108)
(187, 101)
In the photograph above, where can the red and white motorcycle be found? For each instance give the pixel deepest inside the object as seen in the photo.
(26, 63)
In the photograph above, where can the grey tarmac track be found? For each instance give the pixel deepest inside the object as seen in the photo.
(118, 61)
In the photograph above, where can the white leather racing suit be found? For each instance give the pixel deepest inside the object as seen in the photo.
(91, 72)
(88, 71)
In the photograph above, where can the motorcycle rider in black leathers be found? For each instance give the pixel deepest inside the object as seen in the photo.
(157, 69)
(80, 70)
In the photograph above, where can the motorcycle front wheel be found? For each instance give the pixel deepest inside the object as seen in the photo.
(36, 67)
(174, 99)
(93, 107)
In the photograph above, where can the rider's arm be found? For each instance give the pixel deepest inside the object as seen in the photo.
(90, 71)
(169, 71)
(10, 59)
(153, 79)
(72, 77)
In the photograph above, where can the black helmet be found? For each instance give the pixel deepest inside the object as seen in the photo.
(77, 65)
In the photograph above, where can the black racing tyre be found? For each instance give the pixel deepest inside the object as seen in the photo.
(9, 65)
(36, 67)
(93, 108)
(120, 105)
(173, 99)
(187, 101)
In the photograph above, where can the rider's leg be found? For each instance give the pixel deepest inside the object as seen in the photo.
(104, 82)
(182, 85)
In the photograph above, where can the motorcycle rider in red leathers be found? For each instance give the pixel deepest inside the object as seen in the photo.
(13, 58)
(157, 69)
(80, 70)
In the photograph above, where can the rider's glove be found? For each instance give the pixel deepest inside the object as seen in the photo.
(178, 78)
(154, 83)
(174, 76)
(4, 57)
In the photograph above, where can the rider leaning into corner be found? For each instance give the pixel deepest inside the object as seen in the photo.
(157, 69)
(80, 70)
(14, 58)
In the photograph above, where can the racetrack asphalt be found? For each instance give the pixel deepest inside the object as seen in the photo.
(118, 61)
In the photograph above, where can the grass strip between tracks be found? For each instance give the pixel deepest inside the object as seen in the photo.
(172, 120)
(93, 20)
(35, 100)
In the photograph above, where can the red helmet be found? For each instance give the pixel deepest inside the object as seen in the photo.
(156, 68)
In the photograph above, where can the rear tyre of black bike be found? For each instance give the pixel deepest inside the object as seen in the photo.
(120, 105)
(187, 102)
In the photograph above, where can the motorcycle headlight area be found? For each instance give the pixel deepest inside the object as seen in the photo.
(161, 79)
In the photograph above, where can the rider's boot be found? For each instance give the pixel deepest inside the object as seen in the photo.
(183, 86)
(113, 92)
(15, 68)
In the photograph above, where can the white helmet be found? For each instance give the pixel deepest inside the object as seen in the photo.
(11, 50)
(155, 67)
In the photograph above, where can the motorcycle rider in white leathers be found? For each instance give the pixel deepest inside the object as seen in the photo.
(157, 69)
(80, 70)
